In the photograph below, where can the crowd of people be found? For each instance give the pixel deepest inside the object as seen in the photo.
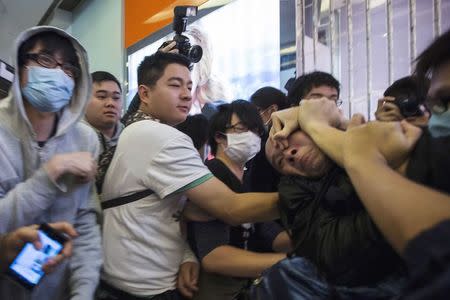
(277, 197)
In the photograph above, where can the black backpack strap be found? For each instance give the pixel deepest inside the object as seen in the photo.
(126, 199)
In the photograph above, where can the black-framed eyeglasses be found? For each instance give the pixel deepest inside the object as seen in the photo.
(261, 111)
(48, 61)
(241, 128)
(238, 127)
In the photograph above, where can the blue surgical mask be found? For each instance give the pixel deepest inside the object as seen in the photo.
(439, 124)
(48, 90)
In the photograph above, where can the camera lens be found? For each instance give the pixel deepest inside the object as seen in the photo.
(408, 106)
(195, 53)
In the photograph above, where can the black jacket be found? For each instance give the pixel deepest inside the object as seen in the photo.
(329, 226)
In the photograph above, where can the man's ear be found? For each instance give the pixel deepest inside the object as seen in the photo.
(144, 94)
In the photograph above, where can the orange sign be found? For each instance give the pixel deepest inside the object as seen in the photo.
(144, 17)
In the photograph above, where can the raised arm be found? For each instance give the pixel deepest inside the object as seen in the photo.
(219, 201)
(28, 200)
(401, 208)
(233, 261)
(321, 119)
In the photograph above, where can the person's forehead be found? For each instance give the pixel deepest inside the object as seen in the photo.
(323, 89)
(235, 119)
(107, 85)
(40, 48)
(176, 70)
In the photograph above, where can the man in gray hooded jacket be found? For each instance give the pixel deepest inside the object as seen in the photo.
(47, 158)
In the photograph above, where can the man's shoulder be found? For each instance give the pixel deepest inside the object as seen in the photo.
(151, 129)
(148, 125)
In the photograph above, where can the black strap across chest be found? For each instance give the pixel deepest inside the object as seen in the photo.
(126, 199)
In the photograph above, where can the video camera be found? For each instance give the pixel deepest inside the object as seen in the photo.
(409, 105)
(181, 13)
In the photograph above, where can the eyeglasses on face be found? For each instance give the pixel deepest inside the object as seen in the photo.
(238, 127)
(262, 111)
(241, 128)
(48, 61)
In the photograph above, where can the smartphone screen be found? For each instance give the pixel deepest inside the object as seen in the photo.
(27, 266)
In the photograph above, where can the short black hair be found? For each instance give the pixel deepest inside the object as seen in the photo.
(52, 43)
(267, 96)
(152, 67)
(247, 113)
(407, 86)
(196, 127)
(100, 76)
(434, 56)
(305, 83)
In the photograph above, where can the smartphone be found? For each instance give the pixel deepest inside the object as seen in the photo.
(26, 268)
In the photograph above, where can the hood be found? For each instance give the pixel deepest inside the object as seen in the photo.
(12, 111)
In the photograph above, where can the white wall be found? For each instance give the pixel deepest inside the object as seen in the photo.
(98, 25)
(62, 19)
(15, 17)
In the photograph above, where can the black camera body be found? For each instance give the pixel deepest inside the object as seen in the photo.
(194, 53)
(181, 13)
(409, 105)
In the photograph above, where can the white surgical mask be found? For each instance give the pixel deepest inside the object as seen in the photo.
(242, 146)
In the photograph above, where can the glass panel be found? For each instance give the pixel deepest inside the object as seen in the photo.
(445, 12)
(359, 101)
(400, 38)
(342, 57)
(243, 56)
(379, 55)
(378, 44)
(323, 37)
(424, 25)
(287, 42)
(247, 52)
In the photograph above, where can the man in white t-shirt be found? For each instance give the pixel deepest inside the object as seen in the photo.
(142, 242)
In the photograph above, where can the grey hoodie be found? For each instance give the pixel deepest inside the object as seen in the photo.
(28, 196)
